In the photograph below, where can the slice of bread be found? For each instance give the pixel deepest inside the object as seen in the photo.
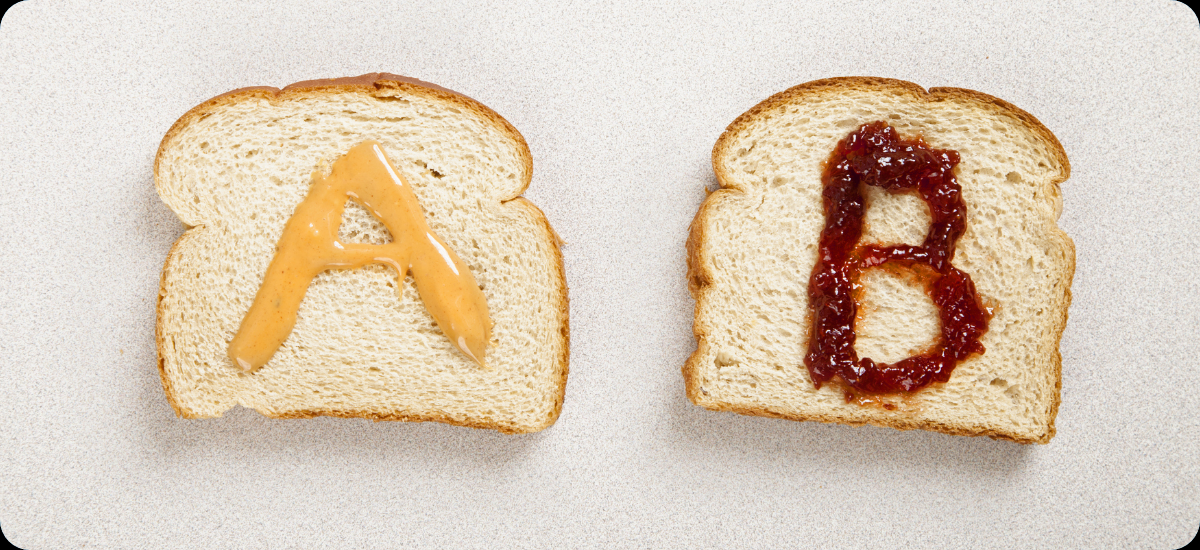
(753, 246)
(235, 167)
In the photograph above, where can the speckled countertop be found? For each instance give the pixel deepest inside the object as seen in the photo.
(621, 104)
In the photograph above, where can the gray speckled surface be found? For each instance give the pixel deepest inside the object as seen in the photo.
(621, 104)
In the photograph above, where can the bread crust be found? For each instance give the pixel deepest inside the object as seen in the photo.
(376, 85)
(699, 278)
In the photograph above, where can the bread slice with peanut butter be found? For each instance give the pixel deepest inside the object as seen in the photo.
(364, 343)
(754, 244)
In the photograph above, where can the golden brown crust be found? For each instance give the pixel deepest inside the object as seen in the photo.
(563, 306)
(160, 339)
(384, 416)
(898, 423)
(377, 85)
(369, 79)
(699, 278)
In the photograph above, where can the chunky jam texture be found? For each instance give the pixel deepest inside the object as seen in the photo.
(875, 155)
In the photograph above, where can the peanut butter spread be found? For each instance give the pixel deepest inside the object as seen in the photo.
(309, 246)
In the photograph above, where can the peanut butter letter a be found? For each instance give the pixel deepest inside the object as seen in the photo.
(309, 246)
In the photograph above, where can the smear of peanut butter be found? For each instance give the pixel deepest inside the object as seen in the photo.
(309, 246)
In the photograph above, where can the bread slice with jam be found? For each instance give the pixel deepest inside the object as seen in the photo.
(364, 345)
(754, 244)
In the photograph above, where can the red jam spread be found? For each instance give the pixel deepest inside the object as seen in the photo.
(876, 155)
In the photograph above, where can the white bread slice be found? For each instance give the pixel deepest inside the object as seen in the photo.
(753, 245)
(234, 168)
